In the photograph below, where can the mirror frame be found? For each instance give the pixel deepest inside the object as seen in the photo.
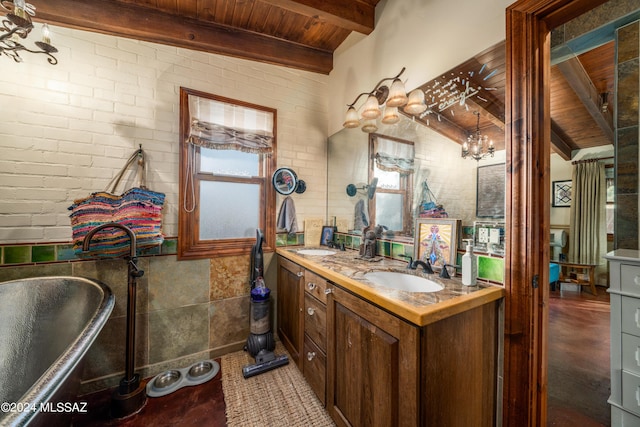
(277, 178)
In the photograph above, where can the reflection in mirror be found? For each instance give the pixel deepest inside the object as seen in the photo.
(437, 160)
(284, 181)
(391, 162)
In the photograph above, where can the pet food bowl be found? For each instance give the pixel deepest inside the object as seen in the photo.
(174, 379)
(199, 369)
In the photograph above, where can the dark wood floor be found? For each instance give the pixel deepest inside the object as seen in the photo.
(579, 376)
(201, 405)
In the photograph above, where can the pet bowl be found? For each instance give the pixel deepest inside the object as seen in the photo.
(174, 379)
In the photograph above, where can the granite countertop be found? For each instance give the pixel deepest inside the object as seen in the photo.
(346, 269)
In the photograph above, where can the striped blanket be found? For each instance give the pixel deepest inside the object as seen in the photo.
(139, 209)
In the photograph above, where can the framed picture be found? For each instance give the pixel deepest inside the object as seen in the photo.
(436, 240)
(561, 192)
(327, 235)
(490, 192)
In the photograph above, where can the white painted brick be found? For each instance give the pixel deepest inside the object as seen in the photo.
(21, 234)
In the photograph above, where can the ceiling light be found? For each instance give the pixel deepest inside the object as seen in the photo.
(477, 146)
(16, 25)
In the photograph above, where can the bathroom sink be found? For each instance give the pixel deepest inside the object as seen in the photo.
(317, 252)
(403, 281)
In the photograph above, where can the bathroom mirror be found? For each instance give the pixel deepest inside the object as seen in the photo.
(285, 181)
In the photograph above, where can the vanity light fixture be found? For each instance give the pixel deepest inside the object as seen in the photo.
(391, 97)
(16, 25)
(477, 146)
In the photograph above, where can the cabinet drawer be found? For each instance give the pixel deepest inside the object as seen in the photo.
(630, 278)
(631, 392)
(314, 368)
(631, 353)
(631, 315)
(315, 285)
(315, 321)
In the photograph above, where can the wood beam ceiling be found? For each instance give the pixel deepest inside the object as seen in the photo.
(132, 20)
(353, 16)
(558, 142)
(582, 85)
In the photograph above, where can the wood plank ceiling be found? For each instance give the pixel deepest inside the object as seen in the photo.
(303, 34)
(294, 33)
(578, 117)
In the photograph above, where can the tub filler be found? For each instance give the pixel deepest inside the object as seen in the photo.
(47, 324)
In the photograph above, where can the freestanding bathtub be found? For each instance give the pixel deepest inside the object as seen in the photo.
(47, 324)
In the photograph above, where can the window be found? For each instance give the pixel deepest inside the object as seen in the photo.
(227, 156)
(391, 169)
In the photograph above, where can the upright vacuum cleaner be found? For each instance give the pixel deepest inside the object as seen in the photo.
(260, 343)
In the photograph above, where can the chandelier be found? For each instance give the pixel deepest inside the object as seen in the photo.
(392, 97)
(477, 146)
(16, 25)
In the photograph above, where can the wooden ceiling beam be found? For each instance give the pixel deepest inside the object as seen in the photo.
(144, 23)
(579, 80)
(353, 15)
(558, 143)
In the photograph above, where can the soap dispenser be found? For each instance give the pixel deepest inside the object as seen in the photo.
(469, 266)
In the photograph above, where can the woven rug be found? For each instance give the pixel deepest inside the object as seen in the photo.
(280, 397)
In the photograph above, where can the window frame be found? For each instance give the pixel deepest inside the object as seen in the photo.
(189, 244)
(406, 187)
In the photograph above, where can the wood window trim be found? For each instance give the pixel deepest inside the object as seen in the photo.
(406, 185)
(527, 142)
(189, 245)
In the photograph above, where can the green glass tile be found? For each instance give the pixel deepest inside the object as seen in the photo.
(292, 239)
(348, 241)
(396, 250)
(66, 253)
(384, 248)
(153, 250)
(17, 254)
(281, 240)
(46, 253)
(169, 246)
(301, 239)
(491, 269)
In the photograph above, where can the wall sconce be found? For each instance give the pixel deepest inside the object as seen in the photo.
(16, 25)
(392, 97)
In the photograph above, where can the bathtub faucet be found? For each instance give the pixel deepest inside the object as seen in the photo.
(131, 394)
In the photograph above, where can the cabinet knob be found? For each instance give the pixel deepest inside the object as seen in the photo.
(311, 286)
(311, 311)
(328, 291)
(300, 273)
(311, 355)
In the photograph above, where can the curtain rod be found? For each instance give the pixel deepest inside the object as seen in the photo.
(575, 162)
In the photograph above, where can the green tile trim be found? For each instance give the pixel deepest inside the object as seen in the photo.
(45, 253)
(491, 269)
(17, 254)
(169, 247)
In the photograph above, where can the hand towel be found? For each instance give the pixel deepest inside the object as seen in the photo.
(361, 215)
(287, 216)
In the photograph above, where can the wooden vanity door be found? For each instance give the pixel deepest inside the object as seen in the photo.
(372, 364)
(290, 305)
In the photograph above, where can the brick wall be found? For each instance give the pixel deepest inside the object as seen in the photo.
(67, 129)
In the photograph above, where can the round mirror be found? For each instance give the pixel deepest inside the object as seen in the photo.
(284, 181)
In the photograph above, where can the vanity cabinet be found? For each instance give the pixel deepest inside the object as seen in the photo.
(302, 325)
(290, 306)
(624, 271)
(371, 367)
(373, 376)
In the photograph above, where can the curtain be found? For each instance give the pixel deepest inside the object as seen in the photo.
(394, 156)
(222, 126)
(588, 228)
